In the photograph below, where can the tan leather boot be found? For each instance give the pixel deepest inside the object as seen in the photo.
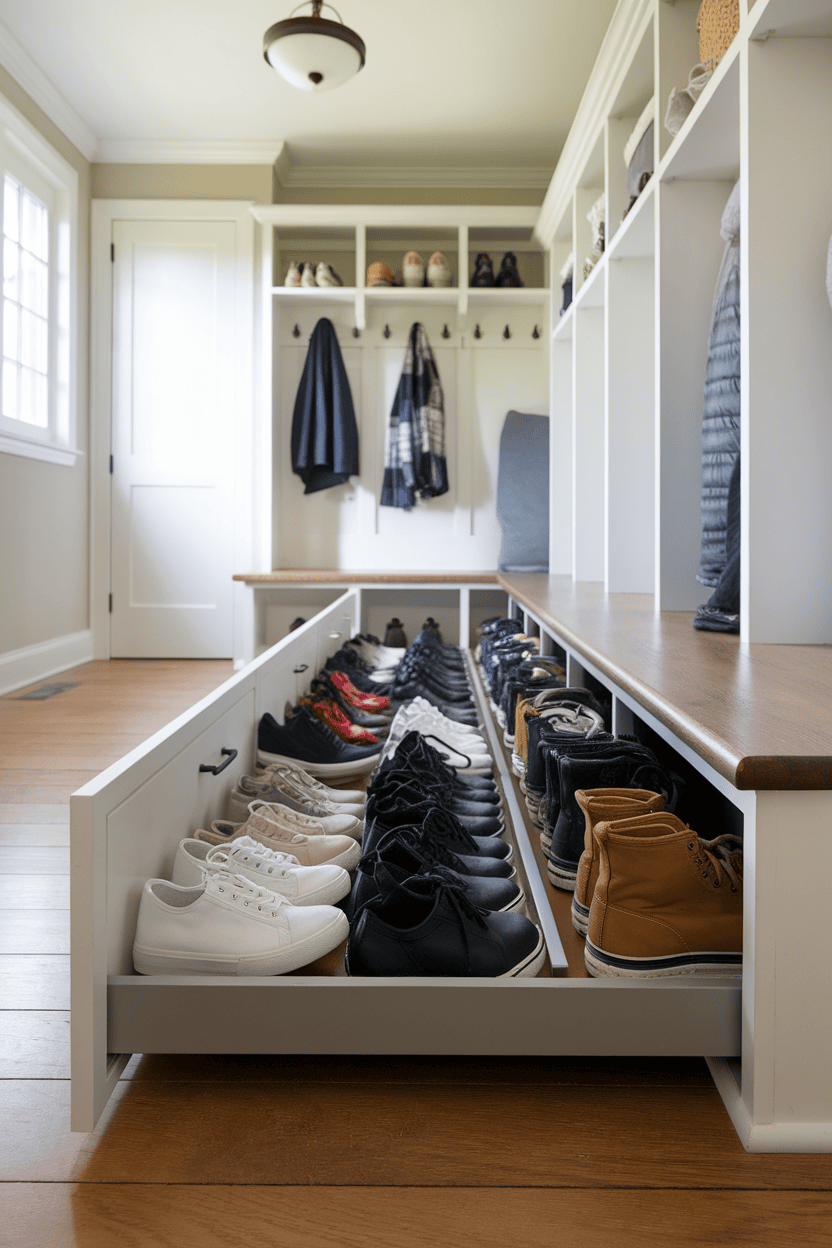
(666, 902)
(602, 806)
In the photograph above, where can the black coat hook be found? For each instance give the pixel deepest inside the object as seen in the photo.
(446, 333)
(506, 332)
(356, 333)
(386, 331)
(296, 332)
(477, 332)
(535, 332)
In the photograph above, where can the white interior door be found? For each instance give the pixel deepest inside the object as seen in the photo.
(173, 438)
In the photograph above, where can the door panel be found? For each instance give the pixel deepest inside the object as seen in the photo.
(172, 438)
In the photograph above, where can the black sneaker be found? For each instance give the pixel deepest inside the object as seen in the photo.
(406, 853)
(427, 925)
(416, 752)
(305, 739)
(405, 805)
(478, 818)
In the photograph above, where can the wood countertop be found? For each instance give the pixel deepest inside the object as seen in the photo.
(337, 576)
(759, 714)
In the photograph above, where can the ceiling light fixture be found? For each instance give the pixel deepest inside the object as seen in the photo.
(313, 53)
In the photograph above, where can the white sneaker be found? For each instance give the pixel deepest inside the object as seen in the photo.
(330, 825)
(292, 275)
(279, 872)
(411, 718)
(454, 726)
(249, 789)
(307, 275)
(229, 926)
(310, 851)
(462, 760)
(376, 654)
(325, 275)
(296, 777)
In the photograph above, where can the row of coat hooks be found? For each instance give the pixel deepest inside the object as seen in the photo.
(446, 333)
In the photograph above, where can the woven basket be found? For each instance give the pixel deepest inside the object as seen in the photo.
(717, 23)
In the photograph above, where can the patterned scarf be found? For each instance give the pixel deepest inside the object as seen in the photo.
(414, 464)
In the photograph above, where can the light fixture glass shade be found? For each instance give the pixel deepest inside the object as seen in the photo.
(313, 53)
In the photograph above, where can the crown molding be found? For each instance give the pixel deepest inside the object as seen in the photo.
(187, 152)
(30, 78)
(620, 43)
(486, 176)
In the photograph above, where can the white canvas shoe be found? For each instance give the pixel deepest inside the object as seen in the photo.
(307, 276)
(280, 873)
(329, 825)
(283, 792)
(229, 926)
(325, 275)
(310, 851)
(295, 775)
(292, 275)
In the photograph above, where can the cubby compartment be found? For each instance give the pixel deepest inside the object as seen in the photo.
(495, 243)
(335, 245)
(390, 245)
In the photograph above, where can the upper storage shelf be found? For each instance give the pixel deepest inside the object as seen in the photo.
(352, 238)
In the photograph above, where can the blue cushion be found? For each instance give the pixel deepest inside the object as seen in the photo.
(523, 494)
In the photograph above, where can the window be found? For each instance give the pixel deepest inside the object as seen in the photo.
(38, 211)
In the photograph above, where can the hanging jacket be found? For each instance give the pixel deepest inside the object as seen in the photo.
(324, 431)
(414, 463)
(721, 412)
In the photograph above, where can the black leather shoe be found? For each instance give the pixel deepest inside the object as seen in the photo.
(483, 274)
(508, 275)
(427, 925)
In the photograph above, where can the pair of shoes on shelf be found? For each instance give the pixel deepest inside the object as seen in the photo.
(414, 273)
(652, 897)
(239, 909)
(307, 275)
(483, 274)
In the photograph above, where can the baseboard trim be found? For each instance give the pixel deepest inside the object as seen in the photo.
(34, 663)
(766, 1137)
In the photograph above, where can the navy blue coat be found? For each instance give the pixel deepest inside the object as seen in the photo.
(324, 431)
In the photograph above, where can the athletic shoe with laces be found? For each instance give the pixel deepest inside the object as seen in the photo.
(405, 805)
(293, 773)
(477, 818)
(310, 851)
(373, 721)
(279, 872)
(280, 791)
(416, 752)
(460, 757)
(404, 853)
(359, 672)
(377, 703)
(428, 925)
(306, 740)
(229, 926)
(330, 825)
(420, 716)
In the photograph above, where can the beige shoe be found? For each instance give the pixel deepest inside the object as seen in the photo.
(602, 806)
(312, 825)
(666, 902)
(310, 851)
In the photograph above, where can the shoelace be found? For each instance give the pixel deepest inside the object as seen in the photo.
(292, 786)
(431, 736)
(433, 861)
(722, 859)
(251, 851)
(283, 815)
(239, 888)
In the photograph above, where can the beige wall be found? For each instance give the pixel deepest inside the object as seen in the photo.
(252, 182)
(44, 528)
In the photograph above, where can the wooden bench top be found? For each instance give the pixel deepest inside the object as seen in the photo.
(337, 576)
(759, 714)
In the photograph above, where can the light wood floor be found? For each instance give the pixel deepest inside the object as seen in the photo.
(327, 1153)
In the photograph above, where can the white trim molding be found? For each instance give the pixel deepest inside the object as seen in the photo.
(30, 77)
(188, 152)
(19, 668)
(488, 177)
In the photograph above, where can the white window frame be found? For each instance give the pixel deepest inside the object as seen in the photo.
(24, 151)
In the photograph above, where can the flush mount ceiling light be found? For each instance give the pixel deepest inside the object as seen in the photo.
(313, 53)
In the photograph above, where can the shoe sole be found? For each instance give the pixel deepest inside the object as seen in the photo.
(323, 771)
(603, 964)
(275, 962)
(562, 877)
(580, 917)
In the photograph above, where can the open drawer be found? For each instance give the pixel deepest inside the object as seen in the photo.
(125, 827)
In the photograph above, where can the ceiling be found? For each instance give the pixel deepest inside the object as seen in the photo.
(452, 86)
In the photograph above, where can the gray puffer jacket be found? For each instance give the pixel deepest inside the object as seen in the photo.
(721, 414)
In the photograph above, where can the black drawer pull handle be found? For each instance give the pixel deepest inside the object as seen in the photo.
(301, 667)
(215, 771)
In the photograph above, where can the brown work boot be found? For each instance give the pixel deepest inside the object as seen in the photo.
(602, 806)
(666, 901)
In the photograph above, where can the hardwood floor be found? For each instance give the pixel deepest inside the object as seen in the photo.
(326, 1152)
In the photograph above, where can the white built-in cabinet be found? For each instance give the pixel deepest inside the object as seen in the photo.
(491, 350)
(628, 357)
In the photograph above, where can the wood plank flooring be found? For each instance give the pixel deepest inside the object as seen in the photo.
(328, 1153)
